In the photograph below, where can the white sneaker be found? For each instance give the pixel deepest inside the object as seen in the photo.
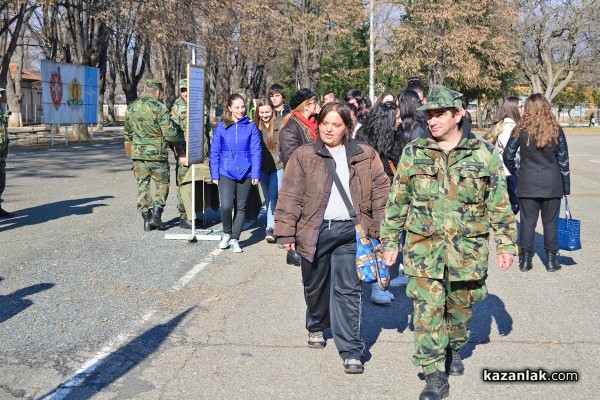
(225, 240)
(234, 245)
(400, 280)
(379, 296)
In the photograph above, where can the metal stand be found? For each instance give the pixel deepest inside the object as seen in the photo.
(200, 234)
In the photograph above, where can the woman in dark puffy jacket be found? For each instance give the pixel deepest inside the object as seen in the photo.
(236, 141)
(543, 176)
(413, 122)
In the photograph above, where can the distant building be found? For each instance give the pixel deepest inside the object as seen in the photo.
(31, 90)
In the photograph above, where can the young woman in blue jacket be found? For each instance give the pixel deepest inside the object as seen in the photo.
(236, 142)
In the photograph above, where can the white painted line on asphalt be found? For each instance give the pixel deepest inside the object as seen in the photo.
(596, 161)
(90, 366)
(194, 271)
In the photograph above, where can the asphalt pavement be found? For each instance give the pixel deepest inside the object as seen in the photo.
(91, 306)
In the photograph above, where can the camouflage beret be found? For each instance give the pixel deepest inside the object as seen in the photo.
(183, 84)
(154, 84)
(442, 97)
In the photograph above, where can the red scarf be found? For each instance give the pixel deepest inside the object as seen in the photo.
(311, 124)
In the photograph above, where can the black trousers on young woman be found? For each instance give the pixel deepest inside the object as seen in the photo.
(332, 289)
(230, 190)
(530, 211)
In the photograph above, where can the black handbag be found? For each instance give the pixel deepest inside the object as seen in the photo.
(569, 231)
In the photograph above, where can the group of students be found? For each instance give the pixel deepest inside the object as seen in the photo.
(398, 163)
(279, 129)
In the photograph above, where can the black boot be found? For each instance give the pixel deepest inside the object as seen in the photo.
(5, 214)
(185, 224)
(156, 222)
(293, 258)
(454, 364)
(526, 261)
(553, 264)
(147, 217)
(437, 387)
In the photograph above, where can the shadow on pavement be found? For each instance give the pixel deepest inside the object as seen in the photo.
(484, 313)
(95, 378)
(376, 318)
(51, 211)
(14, 303)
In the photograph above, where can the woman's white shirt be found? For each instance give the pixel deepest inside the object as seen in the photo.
(508, 126)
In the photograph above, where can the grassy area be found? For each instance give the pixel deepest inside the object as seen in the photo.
(582, 130)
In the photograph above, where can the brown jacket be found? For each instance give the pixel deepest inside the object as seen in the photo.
(306, 188)
(293, 135)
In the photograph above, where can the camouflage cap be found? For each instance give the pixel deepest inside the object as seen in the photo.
(442, 97)
(154, 84)
(183, 84)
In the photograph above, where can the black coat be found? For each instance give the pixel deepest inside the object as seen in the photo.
(543, 173)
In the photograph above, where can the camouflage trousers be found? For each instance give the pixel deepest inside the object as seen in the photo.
(144, 172)
(442, 314)
(180, 175)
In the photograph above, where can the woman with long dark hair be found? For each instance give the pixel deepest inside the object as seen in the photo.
(414, 122)
(544, 176)
(509, 115)
(380, 130)
(235, 138)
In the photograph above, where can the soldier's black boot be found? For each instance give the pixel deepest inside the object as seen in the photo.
(147, 217)
(156, 222)
(5, 214)
(526, 261)
(437, 386)
(454, 364)
(552, 264)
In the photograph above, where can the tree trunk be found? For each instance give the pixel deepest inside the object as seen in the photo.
(112, 84)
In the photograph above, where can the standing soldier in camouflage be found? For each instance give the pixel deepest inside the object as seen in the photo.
(448, 192)
(179, 117)
(3, 155)
(148, 129)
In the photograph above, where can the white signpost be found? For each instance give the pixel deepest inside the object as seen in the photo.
(195, 114)
(195, 142)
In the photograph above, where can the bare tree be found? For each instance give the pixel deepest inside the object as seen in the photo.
(313, 26)
(555, 43)
(11, 74)
(129, 49)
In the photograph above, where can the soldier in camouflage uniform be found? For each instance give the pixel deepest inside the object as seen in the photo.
(179, 117)
(148, 130)
(448, 192)
(3, 155)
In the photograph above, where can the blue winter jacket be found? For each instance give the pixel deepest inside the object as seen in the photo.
(241, 138)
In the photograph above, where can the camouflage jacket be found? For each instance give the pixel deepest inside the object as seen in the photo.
(149, 129)
(447, 202)
(179, 114)
(3, 134)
